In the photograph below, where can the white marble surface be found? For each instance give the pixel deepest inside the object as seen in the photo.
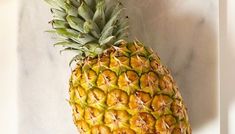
(184, 33)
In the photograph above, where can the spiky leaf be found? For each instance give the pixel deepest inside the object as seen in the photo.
(90, 25)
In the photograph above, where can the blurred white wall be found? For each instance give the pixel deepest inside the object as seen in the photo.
(230, 65)
(227, 66)
(8, 66)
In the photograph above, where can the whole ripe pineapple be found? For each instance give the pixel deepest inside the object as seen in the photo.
(117, 87)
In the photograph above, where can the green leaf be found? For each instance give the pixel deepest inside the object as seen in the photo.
(117, 8)
(109, 11)
(71, 10)
(80, 38)
(86, 26)
(121, 30)
(118, 41)
(93, 47)
(85, 12)
(58, 14)
(98, 50)
(113, 20)
(59, 24)
(73, 2)
(56, 3)
(76, 58)
(91, 4)
(51, 31)
(99, 16)
(68, 44)
(122, 23)
(108, 40)
(69, 49)
(106, 33)
(68, 33)
(84, 38)
(75, 23)
(91, 27)
(122, 36)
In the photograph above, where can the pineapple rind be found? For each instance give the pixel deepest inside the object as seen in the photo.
(126, 99)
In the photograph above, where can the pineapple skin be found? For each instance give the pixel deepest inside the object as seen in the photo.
(126, 90)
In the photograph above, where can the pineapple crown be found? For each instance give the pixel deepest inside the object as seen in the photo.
(88, 27)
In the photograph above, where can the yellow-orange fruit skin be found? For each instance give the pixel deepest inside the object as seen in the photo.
(126, 90)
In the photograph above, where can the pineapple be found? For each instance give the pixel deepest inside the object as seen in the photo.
(117, 86)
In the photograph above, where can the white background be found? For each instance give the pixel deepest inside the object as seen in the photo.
(8, 68)
(227, 65)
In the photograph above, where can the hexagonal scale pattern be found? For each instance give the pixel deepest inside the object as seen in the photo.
(126, 90)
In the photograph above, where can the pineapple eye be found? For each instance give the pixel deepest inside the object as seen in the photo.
(165, 123)
(124, 131)
(149, 83)
(93, 116)
(106, 80)
(117, 99)
(78, 112)
(178, 109)
(166, 85)
(140, 64)
(143, 123)
(100, 129)
(96, 98)
(116, 118)
(88, 79)
(161, 105)
(128, 81)
(140, 102)
(82, 126)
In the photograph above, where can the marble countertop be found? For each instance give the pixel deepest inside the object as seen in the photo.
(183, 33)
